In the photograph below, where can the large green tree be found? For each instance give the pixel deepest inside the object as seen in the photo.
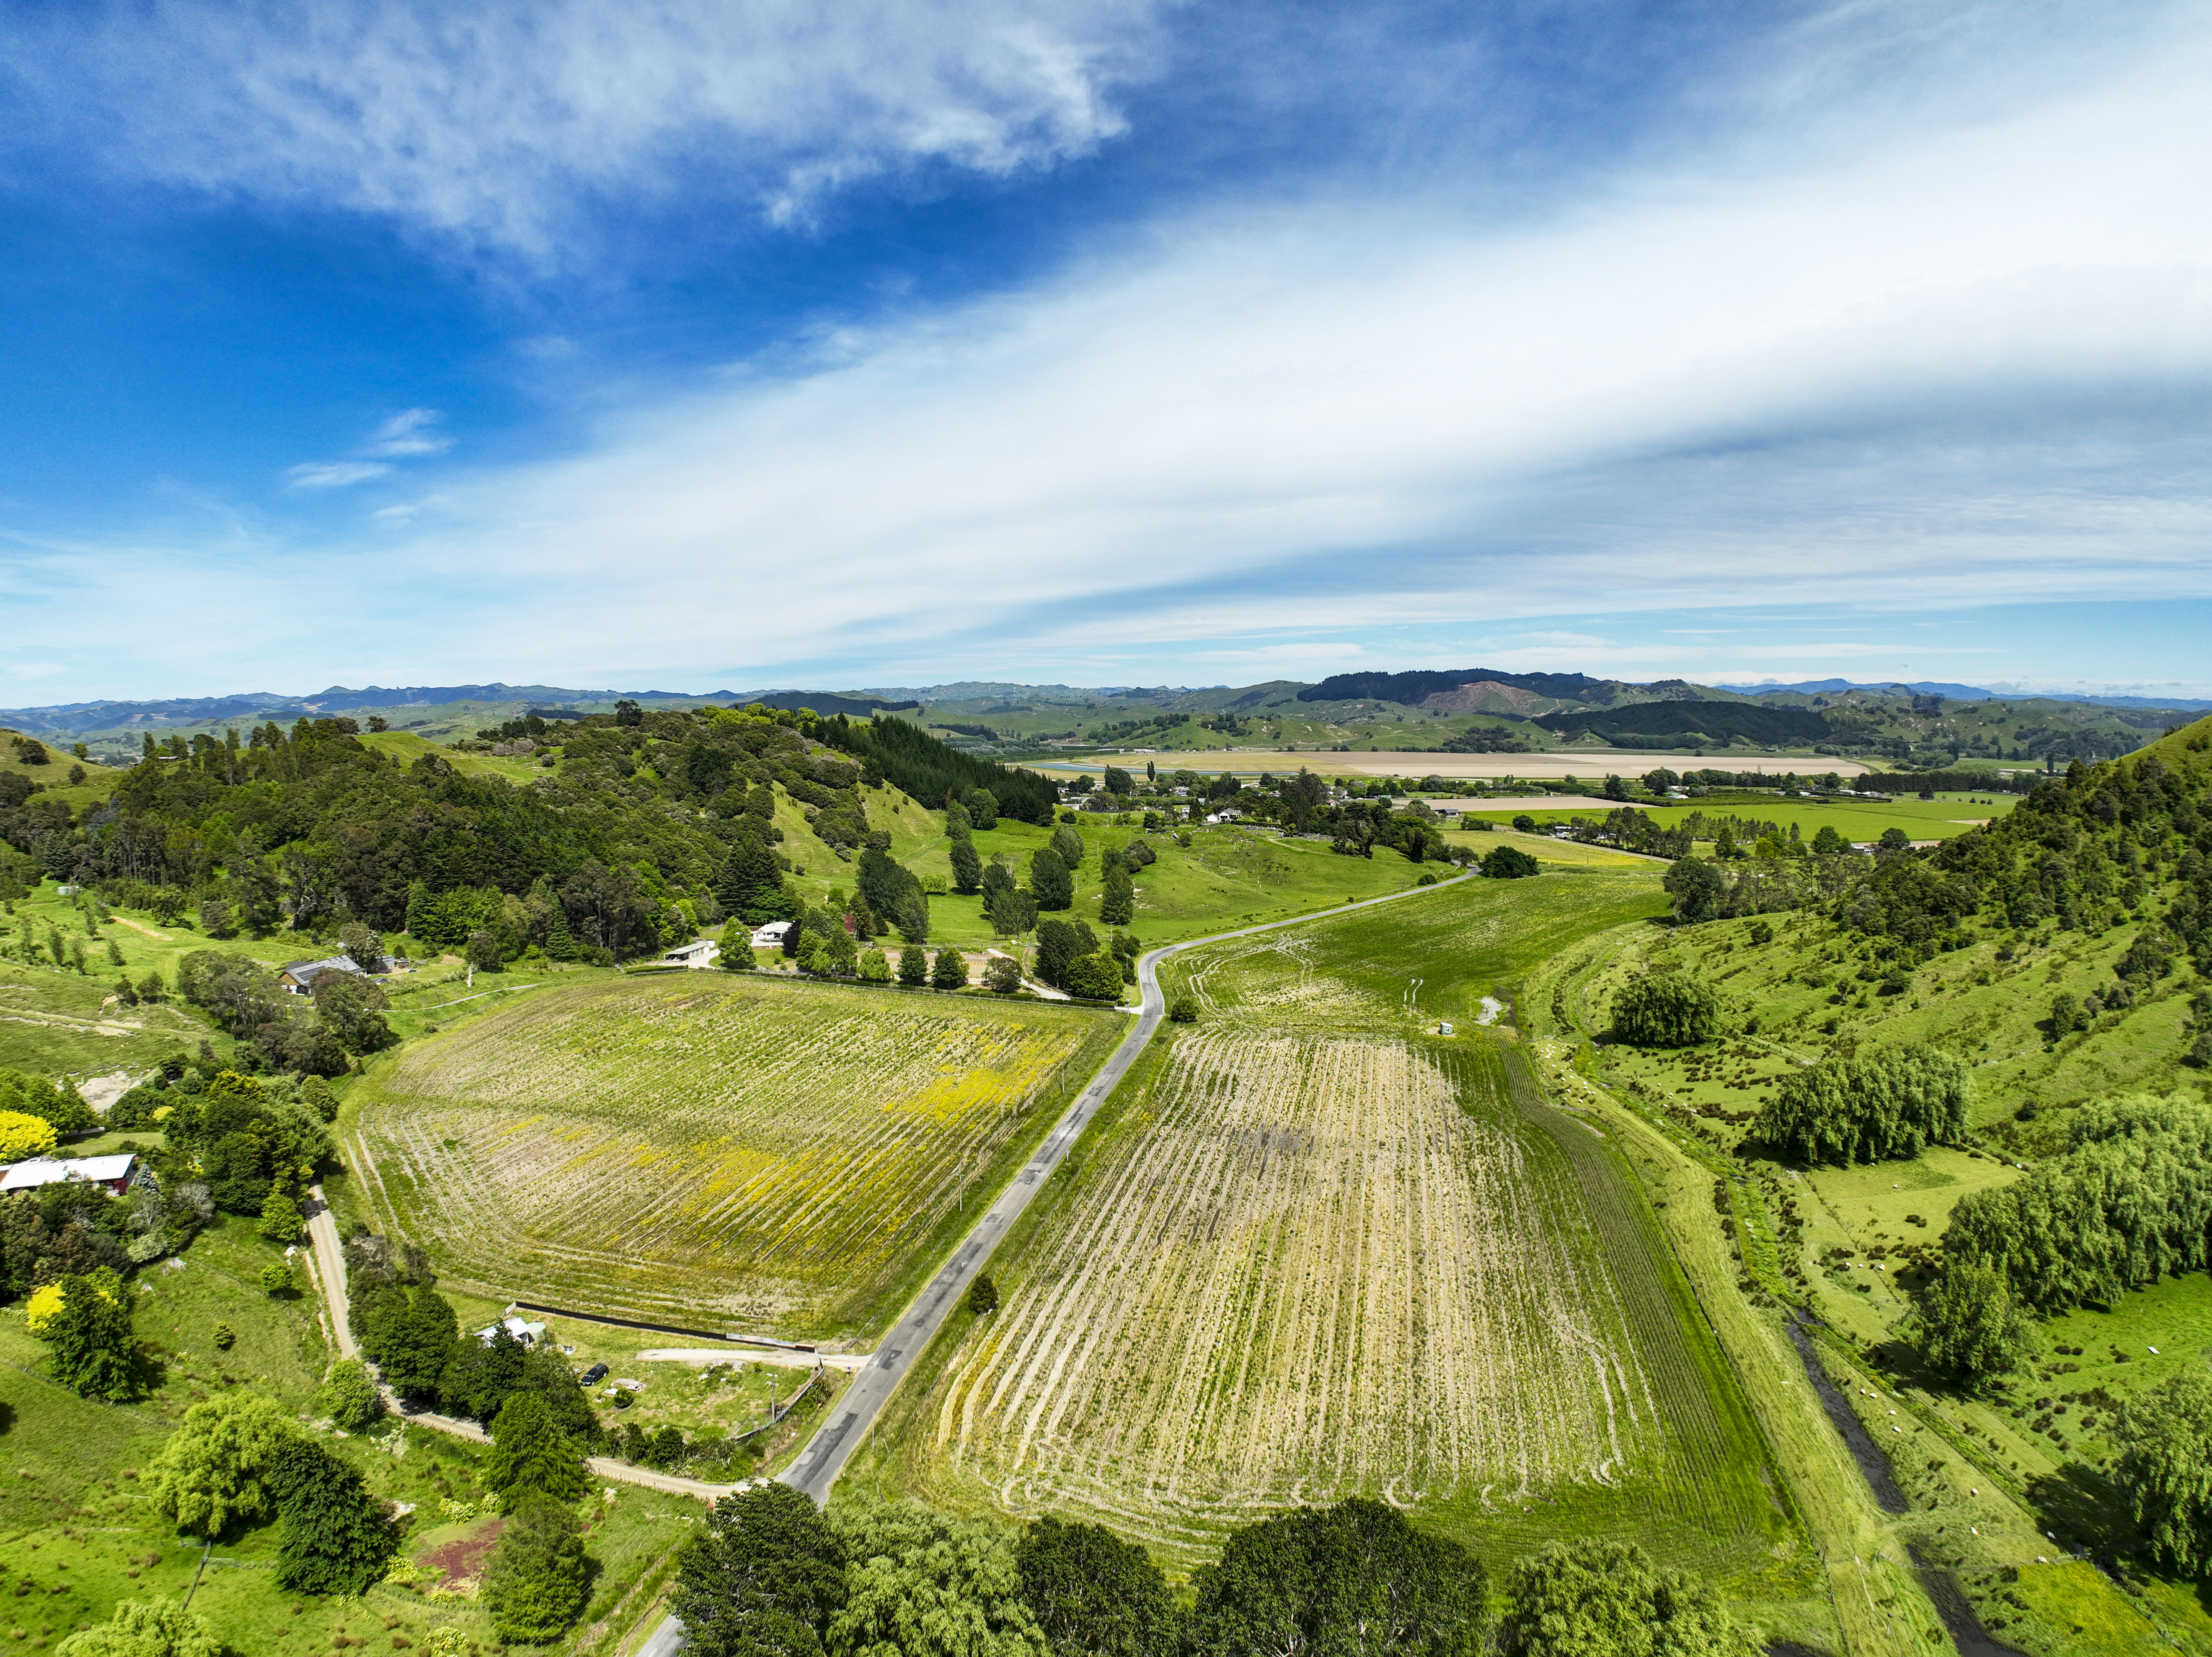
(333, 1537)
(1597, 1598)
(1696, 886)
(538, 1577)
(411, 1338)
(1117, 898)
(1887, 1105)
(480, 1375)
(765, 1576)
(1093, 1594)
(1051, 884)
(215, 1468)
(1966, 1321)
(966, 865)
(1353, 1577)
(144, 1628)
(1665, 1010)
(95, 1352)
(1060, 945)
(2165, 1466)
(751, 887)
(1094, 977)
(922, 1584)
(348, 1395)
(530, 1454)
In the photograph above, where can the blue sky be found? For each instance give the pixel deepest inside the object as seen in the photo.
(687, 345)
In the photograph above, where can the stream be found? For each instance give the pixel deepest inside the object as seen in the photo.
(1943, 1591)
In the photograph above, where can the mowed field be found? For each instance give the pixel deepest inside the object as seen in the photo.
(708, 1149)
(1317, 1250)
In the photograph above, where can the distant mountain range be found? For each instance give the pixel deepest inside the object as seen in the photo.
(1962, 692)
(1565, 703)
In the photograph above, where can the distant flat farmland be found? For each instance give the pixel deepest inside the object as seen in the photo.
(710, 1150)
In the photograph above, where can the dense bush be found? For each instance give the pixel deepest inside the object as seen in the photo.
(2164, 1436)
(1511, 862)
(2130, 1202)
(1883, 1108)
(1966, 1321)
(1665, 1010)
(1606, 1599)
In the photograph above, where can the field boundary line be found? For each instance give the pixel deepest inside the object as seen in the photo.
(819, 1464)
(662, 1328)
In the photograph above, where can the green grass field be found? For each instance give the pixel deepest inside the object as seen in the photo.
(1808, 975)
(1313, 1248)
(407, 747)
(54, 1023)
(707, 1149)
(99, 782)
(1941, 818)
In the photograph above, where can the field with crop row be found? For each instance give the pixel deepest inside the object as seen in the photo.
(1325, 1265)
(1314, 1248)
(707, 1147)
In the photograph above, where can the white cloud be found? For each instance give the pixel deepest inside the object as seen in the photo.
(489, 121)
(407, 433)
(335, 475)
(1889, 382)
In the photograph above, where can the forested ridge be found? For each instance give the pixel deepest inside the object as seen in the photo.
(625, 834)
(2127, 838)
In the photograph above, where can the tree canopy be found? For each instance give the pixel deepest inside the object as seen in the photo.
(766, 1575)
(144, 1628)
(2129, 1202)
(334, 1538)
(218, 1467)
(1093, 1594)
(1884, 1107)
(1665, 1009)
(2166, 1468)
(1355, 1576)
(530, 1454)
(1606, 1599)
(538, 1577)
(921, 1584)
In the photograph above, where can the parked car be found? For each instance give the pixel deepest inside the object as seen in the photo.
(595, 1373)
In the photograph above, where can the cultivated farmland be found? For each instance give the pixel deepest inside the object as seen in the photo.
(1317, 1250)
(695, 1147)
(1328, 1265)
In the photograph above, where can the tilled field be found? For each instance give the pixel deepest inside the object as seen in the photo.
(709, 1148)
(1310, 1265)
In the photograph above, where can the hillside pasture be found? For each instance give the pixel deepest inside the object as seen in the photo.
(710, 1150)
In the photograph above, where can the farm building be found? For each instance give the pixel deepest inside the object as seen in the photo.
(699, 952)
(299, 977)
(528, 1333)
(771, 935)
(117, 1174)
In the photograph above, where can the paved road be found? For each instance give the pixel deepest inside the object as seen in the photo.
(832, 1446)
(818, 1465)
